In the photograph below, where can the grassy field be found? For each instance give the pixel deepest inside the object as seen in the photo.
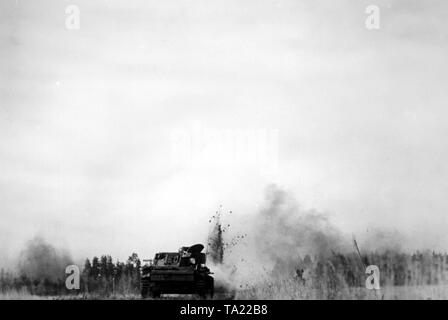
(436, 292)
(280, 291)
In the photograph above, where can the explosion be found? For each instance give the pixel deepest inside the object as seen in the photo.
(271, 241)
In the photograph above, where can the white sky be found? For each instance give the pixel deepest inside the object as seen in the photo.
(87, 117)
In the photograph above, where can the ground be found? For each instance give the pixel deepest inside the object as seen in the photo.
(436, 292)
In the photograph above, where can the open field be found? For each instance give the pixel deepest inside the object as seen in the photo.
(428, 292)
(436, 292)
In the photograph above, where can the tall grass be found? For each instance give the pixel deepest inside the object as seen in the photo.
(18, 294)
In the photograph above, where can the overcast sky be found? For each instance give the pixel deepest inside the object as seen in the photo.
(356, 119)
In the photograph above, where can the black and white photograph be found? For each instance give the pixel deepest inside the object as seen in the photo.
(237, 150)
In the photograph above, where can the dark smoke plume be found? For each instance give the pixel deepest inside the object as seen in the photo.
(40, 261)
(216, 244)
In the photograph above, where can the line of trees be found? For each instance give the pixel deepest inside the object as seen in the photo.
(104, 277)
(11, 281)
(332, 275)
(340, 276)
(100, 276)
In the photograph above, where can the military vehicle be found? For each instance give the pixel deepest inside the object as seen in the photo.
(182, 272)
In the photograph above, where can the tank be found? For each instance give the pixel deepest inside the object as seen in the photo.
(182, 272)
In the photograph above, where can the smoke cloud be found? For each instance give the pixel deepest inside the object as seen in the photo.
(279, 235)
(284, 230)
(276, 236)
(41, 261)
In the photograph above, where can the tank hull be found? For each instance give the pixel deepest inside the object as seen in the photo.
(182, 272)
(158, 283)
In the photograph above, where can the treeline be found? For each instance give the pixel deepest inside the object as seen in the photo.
(332, 274)
(420, 268)
(11, 281)
(104, 277)
(100, 276)
(343, 276)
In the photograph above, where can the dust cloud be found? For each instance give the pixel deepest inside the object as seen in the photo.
(273, 240)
